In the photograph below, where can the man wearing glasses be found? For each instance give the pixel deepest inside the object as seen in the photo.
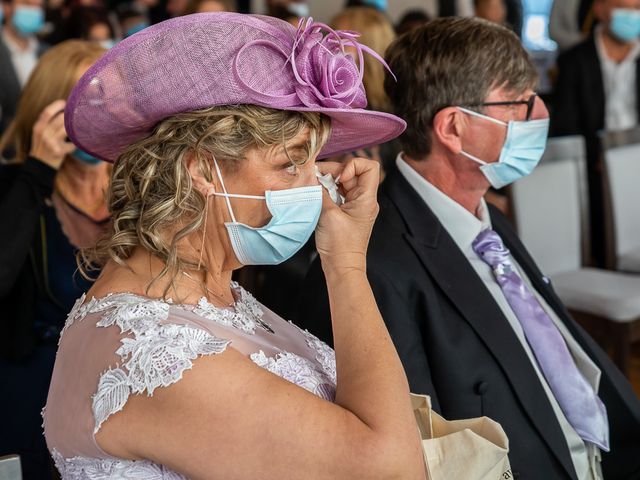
(476, 324)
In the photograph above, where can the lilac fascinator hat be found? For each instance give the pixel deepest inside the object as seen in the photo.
(212, 59)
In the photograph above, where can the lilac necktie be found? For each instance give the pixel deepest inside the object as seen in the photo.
(581, 406)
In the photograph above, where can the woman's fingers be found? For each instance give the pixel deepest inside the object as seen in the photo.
(52, 110)
(360, 173)
(56, 127)
(49, 142)
(353, 172)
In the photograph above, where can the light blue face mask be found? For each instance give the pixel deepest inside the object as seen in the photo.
(85, 157)
(107, 44)
(521, 152)
(625, 24)
(380, 5)
(28, 20)
(295, 213)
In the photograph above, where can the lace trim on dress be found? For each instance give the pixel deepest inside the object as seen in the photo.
(299, 371)
(325, 355)
(155, 355)
(105, 468)
(246, 316)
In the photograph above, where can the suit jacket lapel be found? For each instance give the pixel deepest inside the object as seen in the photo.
(451, 270)
(594, 78)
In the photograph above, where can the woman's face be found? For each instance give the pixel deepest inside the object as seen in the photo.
(99, 32)
(264, 170)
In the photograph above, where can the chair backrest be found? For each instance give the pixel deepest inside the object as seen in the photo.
(621, 152)
(550, 207)
(10, 468)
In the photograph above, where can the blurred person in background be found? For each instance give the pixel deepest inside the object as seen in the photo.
(291, 11)
(380, 5)
(570, 22)
(466, 8)
(92, 24)
(201, 6)
(51, 203)
(19, 52)
(492, 10)
(597, 89)
(410, 20)
(132, 20)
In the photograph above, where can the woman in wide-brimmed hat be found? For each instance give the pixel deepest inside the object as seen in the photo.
(168, 369)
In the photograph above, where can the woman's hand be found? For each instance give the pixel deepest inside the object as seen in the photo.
(343, 232)
(49, 139)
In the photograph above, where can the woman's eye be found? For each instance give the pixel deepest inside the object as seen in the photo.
(292, 169)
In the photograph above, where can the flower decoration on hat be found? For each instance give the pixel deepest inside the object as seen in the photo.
(324, 73)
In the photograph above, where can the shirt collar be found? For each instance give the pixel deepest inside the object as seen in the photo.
(602, 53)
(463, 226)
(32, 45)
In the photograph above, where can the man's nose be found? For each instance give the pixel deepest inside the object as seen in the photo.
(539, 110)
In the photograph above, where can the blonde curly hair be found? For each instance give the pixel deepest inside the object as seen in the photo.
(153, 202)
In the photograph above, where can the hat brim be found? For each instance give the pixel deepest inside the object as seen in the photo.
(357, 128)
(350, 130)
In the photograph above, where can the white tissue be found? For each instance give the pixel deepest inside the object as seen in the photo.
(331, 185)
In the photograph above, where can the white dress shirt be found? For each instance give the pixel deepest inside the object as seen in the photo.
(620, 89)
(463, 227)
(24, 61)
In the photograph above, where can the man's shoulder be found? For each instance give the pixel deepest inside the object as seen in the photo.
(585, 50)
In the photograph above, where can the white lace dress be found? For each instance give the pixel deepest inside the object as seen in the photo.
(126, 344)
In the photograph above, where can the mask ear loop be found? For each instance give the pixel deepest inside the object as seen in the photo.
(226, 195)
(485, 117)
(204, 229)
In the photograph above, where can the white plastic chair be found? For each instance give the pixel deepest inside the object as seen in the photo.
(550, 210)
(10, 468)
(621, 151)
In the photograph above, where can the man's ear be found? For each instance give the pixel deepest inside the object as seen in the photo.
(205, 186)
(448, 126)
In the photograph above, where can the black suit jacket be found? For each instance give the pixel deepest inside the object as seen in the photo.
(9, 85)
(578, 106)
(457, 346)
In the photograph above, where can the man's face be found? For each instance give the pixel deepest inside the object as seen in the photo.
(484, 139)
(603, 9)
(10, 7)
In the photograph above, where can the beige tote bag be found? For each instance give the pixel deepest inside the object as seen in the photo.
(471, 449)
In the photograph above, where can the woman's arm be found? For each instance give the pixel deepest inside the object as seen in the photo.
(23, 201)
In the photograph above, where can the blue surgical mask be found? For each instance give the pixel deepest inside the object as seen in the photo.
(295, 213)
(625, 24)
(85, 157)
(107, 44)
(28, 20)
(380, 5)
(299, 9)
(522, 150)
(136, 28)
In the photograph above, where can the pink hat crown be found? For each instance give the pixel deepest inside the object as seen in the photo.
(206, 60)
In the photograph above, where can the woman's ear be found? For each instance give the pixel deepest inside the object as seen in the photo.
(200, 181)
(448, 127)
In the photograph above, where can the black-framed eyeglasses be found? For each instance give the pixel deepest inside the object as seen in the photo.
(530, 102)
